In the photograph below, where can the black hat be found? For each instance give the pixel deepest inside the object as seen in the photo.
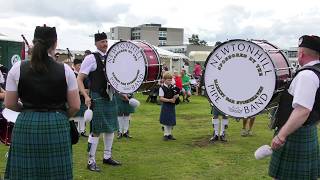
(87, 52)
(45, 32)
(100, 36)
(77, 61)
(311, 42)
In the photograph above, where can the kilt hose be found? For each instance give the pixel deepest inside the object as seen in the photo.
(299, 157)
(105, 115)
(168, 114)
(41, 147)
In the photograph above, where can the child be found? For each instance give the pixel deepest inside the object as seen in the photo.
(124, 110)
(168, 113)
(215, 124)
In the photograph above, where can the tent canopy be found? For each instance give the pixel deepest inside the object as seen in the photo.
(168, 54)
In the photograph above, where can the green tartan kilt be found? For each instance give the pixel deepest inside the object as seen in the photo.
(83, 108)
(299, 157)
(105, 115)
(40, 148)
(123, 106)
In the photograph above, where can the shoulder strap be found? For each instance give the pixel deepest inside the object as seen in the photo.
(315, 68)
(96, 56)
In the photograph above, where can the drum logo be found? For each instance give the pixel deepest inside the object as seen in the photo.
(125, 67)
(15, 58)
(239, 78)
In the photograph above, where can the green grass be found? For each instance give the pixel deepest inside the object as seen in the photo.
(147, 156)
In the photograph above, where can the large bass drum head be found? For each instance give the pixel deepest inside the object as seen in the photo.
(125, 67)
(239, 78)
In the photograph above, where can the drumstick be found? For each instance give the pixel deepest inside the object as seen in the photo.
(27, 43)
(25, 40)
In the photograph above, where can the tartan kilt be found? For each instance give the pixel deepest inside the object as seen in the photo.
(83, 108)
(41, 147)
(299, 157)
(123, 106)
(105, 115)
(168, 114)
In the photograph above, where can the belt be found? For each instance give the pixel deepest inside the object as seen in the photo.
(44, 110)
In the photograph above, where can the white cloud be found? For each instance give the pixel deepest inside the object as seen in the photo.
(280, 22)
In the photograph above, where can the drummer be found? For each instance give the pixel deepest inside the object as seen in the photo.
(41, 142)
(102, 102)
(79, 116)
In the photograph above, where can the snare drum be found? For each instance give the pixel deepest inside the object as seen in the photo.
(7, 121)
(132, 66)
(241, 77)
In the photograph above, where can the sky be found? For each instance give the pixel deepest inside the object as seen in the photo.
(279, 22)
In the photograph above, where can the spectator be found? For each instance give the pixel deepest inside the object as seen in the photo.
(247, 122)
(186, 90)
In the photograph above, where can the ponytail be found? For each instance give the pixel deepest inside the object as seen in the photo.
(40, 54)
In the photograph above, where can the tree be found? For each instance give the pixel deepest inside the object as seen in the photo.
(196, 41)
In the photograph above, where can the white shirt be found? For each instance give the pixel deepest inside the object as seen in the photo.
(1, 78)
(161, 92)
(89, 63)
(304, 87)
(14, 75)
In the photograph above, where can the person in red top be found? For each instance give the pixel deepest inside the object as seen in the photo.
(197, 72)
(178, 80)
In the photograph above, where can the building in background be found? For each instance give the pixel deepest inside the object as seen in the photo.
(154, 34)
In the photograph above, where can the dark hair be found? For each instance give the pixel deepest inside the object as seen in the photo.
(40, 54)
(87, 52)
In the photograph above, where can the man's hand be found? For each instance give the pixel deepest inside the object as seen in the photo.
(277, 142)
(87, 101)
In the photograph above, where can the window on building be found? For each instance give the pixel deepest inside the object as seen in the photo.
(292, 54)
(162, 42)
(162, 34)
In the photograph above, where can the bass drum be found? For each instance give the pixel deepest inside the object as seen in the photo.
(132, 66)
(7, 121)
(242, 77)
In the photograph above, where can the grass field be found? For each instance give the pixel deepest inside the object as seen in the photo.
(147, 156)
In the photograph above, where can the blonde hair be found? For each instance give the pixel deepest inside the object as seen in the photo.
(167, 75)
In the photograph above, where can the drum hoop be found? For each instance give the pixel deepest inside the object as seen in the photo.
(283, 56)
(146, 59)
(249, 41)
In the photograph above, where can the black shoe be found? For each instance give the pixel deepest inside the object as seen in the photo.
(162, 128)
(170, 137)
(93, 167)
(223, 138)
(119, 135)
(165, 138)
(187, 100)
(127, 135)
(112, 162)
(83, 134)
(214, 138)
